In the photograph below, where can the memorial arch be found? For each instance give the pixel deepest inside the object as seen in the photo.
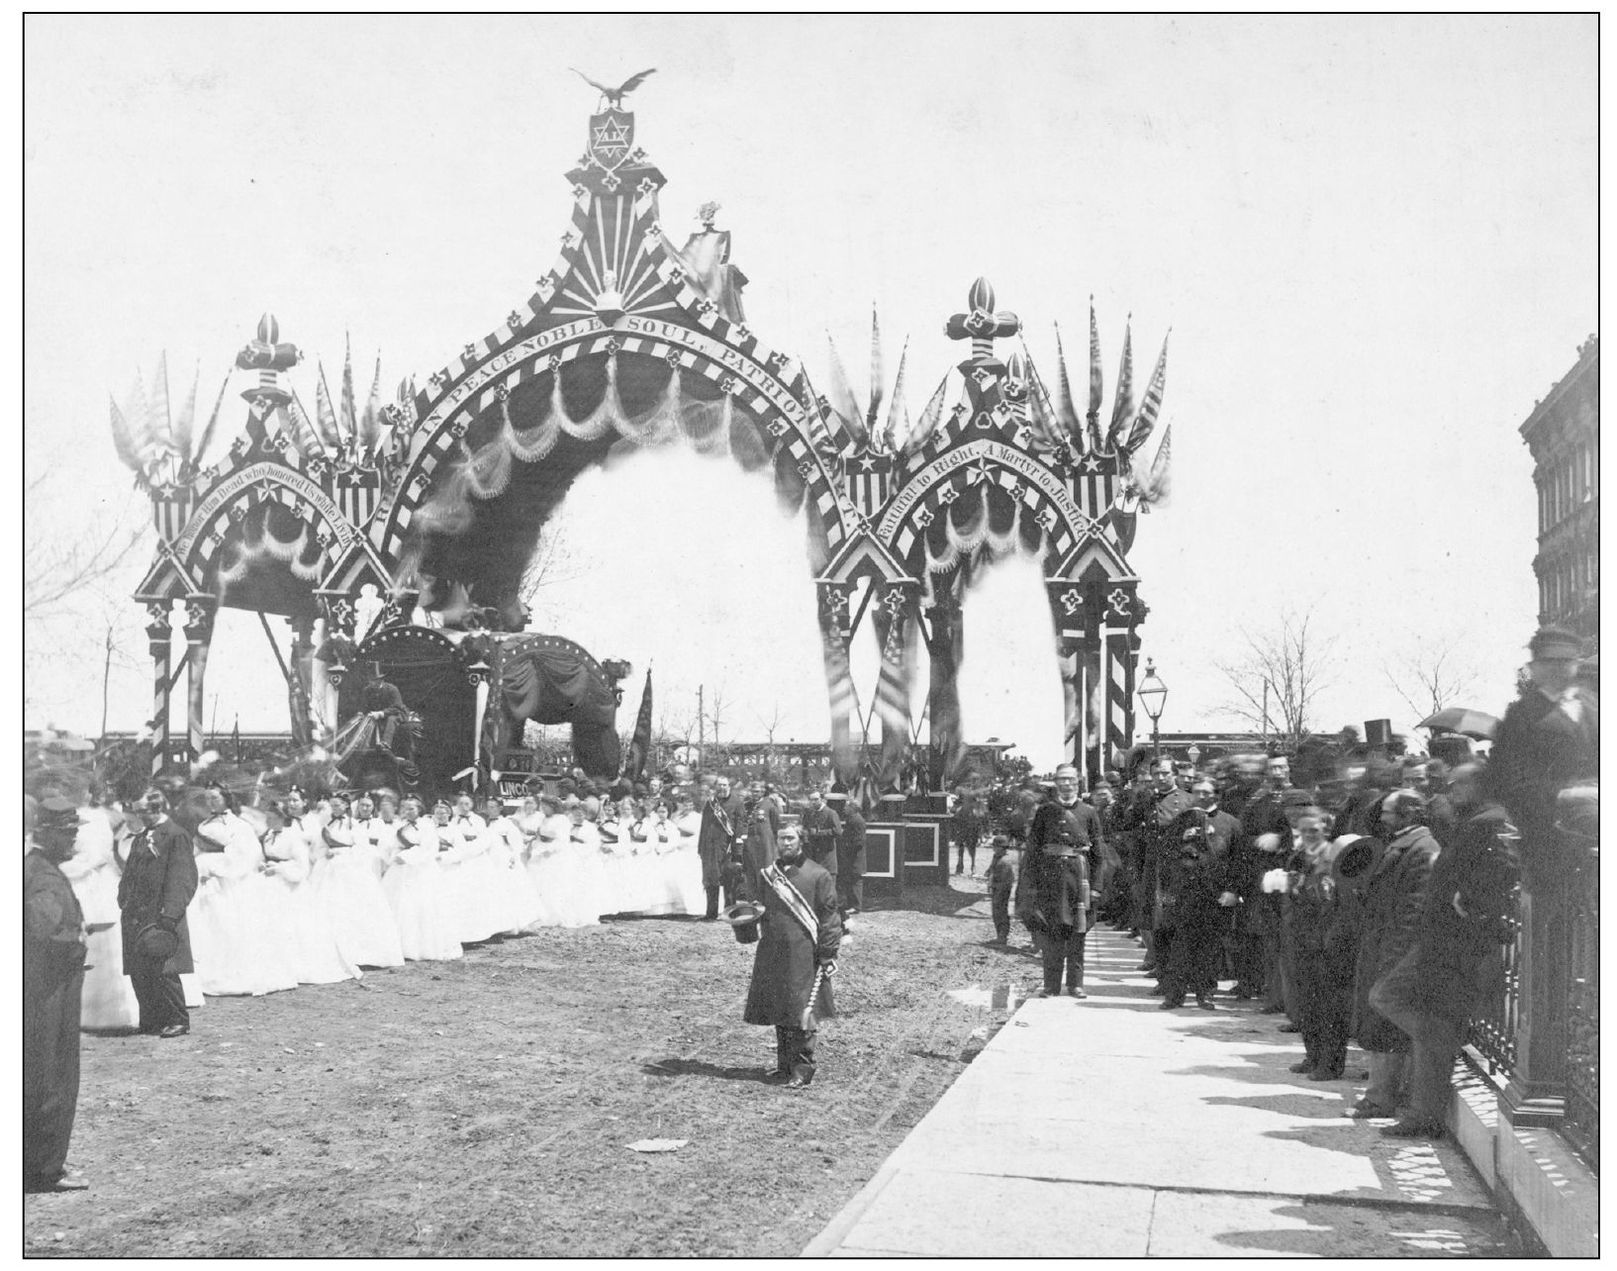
(435, 502)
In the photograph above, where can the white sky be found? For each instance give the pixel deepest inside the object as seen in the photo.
(1374, 240)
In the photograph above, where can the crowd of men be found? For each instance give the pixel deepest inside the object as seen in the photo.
(1372, 910)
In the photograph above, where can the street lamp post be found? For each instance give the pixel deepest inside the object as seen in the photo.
(1154, 694)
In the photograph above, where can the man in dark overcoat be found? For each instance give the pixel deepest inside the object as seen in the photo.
(1063, 855)
(801, 933)
(758, 848)
(1540, 748)
(1197, 893)
(1393, 909)
(715, 843)
(822, 830)
(1266, 844)
(851, 866)
(52, 986)
(1167, 803)
(158, 882)
(1434, 988)
(1323, 938)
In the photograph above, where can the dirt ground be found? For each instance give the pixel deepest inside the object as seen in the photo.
(484, 1107)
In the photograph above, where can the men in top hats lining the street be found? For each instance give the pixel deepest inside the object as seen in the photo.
(791, 975)
(1063, 855)
(52, 984)
(158, 882)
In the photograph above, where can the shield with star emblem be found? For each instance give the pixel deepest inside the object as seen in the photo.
(611, 137)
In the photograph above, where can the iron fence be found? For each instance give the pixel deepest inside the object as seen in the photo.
(1494, 1024)
(1581, 1126)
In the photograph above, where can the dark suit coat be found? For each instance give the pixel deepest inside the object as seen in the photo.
(1480, 864)
(851, 850)
(722, 823)
(1393, 912)
(53, 936)
(157, 886)
(1057, 883)
(783, 970)
(821, 832)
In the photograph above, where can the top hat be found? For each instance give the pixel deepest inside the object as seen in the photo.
(743, 917)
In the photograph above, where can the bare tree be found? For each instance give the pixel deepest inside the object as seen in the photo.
(717, 706)
(57, 567)
(1433, 676)
(553, 562)
(1281, 673)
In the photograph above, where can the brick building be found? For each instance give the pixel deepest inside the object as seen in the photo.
(1563, 433)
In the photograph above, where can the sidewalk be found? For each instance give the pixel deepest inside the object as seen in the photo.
(1110, 1128)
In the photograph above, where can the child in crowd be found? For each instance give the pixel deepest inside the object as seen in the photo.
(1001, 882)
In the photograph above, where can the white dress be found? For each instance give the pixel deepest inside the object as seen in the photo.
(548, 869)
(233, 951)
(585, 897)
(109, 998)
(618, 883)
(514, 888)
(469, 882)
(415, 892)
(654, 848)
(348, 883)
(686, 869)
(313, 951)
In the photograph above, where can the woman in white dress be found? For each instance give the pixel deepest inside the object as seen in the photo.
(687, 866)
(513, 886)
(584, 899)
(108, 1000)
(298, 912)
(544, 829)
(620, 880)
(653, 840)
(414, 888)
(232, 949)
(348, 883)
(382, 831)
(463, 856)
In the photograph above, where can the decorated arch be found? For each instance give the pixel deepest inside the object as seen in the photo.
(352, 520)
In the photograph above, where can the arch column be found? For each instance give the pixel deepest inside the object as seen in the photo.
(835, 639)
(200, 610)
(945, 646)
(298, 691)
(895, 615)
(159, 645)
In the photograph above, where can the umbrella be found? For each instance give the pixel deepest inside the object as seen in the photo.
(1462, 719)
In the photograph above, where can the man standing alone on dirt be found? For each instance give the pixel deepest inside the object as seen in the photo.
(791, 976)
(715, 841)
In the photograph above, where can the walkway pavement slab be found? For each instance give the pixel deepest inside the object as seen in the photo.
(1168, 1133)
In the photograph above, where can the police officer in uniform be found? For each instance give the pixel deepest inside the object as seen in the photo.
(1064, 846)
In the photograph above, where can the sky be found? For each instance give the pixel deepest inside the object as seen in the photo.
(1374, 241)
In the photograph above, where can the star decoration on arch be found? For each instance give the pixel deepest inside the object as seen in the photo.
(948, 495)
(978, 472)
(894, 601)
(1072, 600)
(1090, 465)
(611, 137)
(515, 319)
(924, 517)
(1119, 601)
(836, 600)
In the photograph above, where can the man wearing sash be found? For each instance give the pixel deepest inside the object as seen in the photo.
(715, 842)
(791, 976)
